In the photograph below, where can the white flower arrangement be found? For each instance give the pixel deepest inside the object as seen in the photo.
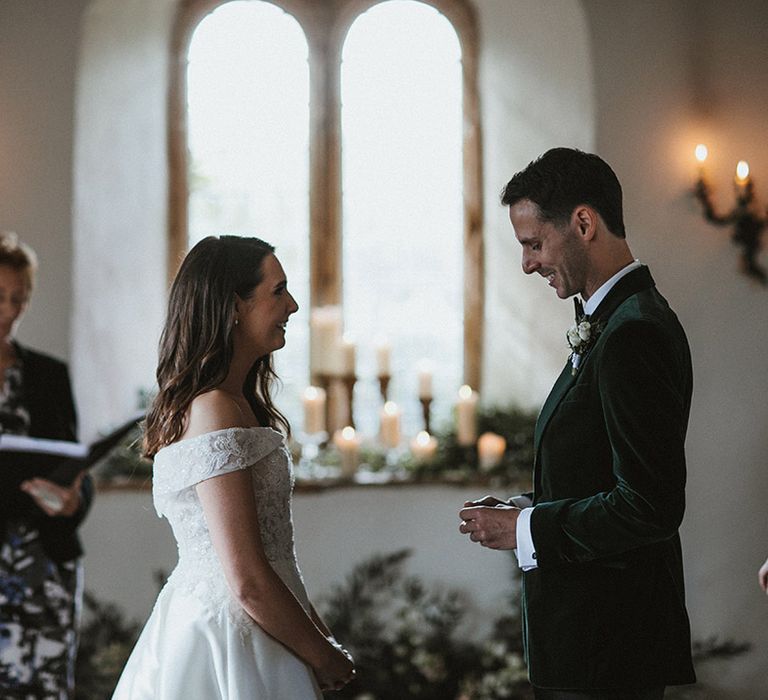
(581, 336)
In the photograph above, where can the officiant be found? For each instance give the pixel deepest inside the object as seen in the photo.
(40, 552)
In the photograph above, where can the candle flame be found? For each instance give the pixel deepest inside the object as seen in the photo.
(701, 152)
(390, 408)
(423, 438)
(465, 392)
(348, 433)
(311, 392)
(742, 171)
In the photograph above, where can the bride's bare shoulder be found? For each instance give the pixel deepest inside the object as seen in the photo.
(213, 410)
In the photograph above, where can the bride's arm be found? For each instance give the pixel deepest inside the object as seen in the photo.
(230, 511)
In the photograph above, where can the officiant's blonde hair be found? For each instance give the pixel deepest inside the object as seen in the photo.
(18, 256)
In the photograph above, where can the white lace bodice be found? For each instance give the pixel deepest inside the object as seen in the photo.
(179, 467)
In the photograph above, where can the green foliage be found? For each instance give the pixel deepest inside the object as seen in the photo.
(406, 640)
(407, 643)
(125, 462)
(106, 640)
(515, 425)
(452, 462)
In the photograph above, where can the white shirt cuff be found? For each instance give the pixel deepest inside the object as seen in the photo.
(525, 552)
(520, 501)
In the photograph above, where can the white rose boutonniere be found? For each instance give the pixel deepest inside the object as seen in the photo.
(581, 337)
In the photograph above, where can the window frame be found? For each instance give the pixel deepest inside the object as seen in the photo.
(325, 25)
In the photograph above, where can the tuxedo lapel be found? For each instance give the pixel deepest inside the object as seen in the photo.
(561, 386)
(632, 283)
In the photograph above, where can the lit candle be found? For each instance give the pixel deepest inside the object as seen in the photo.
(390, 424)
(348, 445)
(490, 450)
(742, 173)
(347, 353)
(425, 382)
(466, 417)
(384, 359)
(701, 153)
(314, 410)
(423, 447)
(325, 327)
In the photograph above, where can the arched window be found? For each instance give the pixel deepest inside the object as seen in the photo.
(438, 230)
(402, 183)
(248, 148)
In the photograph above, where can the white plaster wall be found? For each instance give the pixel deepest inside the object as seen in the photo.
(120, 206)
(667, 75)
(38, 56)
(532, 98)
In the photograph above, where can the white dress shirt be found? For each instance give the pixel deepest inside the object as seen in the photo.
(526, 551)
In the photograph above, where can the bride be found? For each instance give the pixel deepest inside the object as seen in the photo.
(233, 621)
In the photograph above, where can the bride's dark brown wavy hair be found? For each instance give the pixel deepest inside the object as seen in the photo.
(196, 343)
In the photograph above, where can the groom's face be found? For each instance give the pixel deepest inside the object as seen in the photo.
(555, 252)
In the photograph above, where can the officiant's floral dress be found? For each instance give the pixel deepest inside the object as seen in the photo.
(39, 598)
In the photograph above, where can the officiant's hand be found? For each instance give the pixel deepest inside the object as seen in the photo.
(492, 526)
(52, 499)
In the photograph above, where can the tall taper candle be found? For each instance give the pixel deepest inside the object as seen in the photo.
(325, 325)
(314, 410)
(348, 444)
(466, 417)
(390, 424)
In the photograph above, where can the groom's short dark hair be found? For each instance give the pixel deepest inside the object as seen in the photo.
(563, 178)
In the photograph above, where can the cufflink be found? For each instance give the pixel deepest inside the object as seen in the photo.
(533, 555)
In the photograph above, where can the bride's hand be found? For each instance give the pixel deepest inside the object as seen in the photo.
(337, 670)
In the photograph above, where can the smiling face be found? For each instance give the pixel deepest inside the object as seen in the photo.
(556, 253)
(263, 315)
(14, 295)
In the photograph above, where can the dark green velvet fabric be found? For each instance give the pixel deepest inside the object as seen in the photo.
(606, 606)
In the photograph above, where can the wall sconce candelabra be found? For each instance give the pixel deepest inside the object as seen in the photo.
(748, 226)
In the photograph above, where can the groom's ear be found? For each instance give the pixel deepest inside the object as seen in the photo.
(584, 220)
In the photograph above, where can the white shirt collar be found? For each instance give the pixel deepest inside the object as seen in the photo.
(594, 301)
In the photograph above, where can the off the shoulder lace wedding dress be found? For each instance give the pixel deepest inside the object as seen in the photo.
(199, 644)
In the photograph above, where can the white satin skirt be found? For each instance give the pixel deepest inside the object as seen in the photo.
(185, 653)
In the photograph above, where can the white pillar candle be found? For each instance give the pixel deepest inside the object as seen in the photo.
(390, 424)
(348, 355)
(384, 359)
(325, 325)
(348, 444)
(466, 417)
(314, 410)
(490, 450)
(424, 446)
(425, 383)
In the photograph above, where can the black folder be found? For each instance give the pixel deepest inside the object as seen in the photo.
(23, 458)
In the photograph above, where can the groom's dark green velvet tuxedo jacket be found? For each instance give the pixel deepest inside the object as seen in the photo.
(606, 606)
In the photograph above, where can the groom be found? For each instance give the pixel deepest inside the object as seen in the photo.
(603, 596)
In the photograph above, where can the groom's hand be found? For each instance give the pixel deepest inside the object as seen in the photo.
(492, 526)
(486, 501)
